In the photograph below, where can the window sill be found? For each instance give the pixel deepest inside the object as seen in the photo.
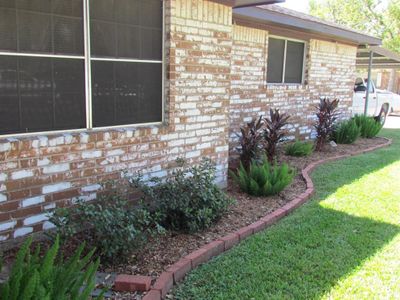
(286, 86)
(43, 138)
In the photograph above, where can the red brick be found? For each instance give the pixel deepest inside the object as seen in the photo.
(258, 226)
(273, 217)
(152, 295)
(198, 257)
(244, 232)
(164, 283)
(180, 269)
(132, 283)
(214, 248)
(230, 240)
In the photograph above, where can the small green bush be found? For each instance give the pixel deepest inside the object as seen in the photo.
(299, 149)
(263, 179)
(188, 200)
(111, 224)
(369, 127)
(36, 278)
(347, 132)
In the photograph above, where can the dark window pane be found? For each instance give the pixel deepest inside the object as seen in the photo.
(126, 28)
(68, 8)
(8, 31)
(9, 105)
(103, 39)
(294, 62)
(276, 49)
(68, 35)
(35, 5)
(34, 31)
(152, 44)
(126, 93)
(129, 41)
(41, 94)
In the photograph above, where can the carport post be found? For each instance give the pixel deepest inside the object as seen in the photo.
(371, 57)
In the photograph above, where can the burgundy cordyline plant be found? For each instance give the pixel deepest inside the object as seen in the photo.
(274, 132)
(250, 141)
(326, 117)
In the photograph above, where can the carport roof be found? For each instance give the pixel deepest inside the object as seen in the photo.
(382, 59)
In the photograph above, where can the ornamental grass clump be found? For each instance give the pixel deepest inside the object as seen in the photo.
(326, 117)
(263, 178)
(347, 132)
(274, 132)
(369, 127)
(50, 277)
(250, 140)
(299, 149)
(188, 200)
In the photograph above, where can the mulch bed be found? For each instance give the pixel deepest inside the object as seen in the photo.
(163, 251)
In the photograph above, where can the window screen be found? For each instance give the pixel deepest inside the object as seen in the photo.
(276, 54)
(285, 61)
(294, 62)
(43, 64)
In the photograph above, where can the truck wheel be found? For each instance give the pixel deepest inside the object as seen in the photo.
(382, 118)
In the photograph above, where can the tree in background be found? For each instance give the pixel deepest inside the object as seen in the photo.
(376, 17)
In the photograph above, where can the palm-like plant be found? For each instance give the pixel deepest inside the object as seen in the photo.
(274, 131)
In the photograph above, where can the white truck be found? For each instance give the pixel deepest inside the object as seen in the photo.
(380, 102)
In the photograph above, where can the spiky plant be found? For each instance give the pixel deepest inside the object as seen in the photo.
(36, 278)
(326, 117)
(250, 141)
(263, 178)
(347, 132)
(274, 131)
(299, 149)
(369, 127)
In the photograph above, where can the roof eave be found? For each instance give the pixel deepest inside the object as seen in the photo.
(266, 16)
(247, 3)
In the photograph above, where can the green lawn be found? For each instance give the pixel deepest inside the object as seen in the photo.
(343, 244)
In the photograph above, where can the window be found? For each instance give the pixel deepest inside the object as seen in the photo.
(74, 64)
(285, 61)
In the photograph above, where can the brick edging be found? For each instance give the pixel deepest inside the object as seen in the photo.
(177, 271)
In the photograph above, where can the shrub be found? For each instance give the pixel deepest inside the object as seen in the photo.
(326, 118)
(113, 226)
(369, 127)
(188, 200)
(299, 149)
(33, 277)
(250, 141)
(347, 132)
(274, 132)
(263, 179)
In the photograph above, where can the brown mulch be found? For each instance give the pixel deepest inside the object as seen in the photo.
(163, 251)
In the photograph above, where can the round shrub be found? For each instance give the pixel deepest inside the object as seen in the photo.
(347, 132)
(299, 149)
(187, 201)
(369, 127)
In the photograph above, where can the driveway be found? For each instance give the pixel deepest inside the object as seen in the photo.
(393, 122)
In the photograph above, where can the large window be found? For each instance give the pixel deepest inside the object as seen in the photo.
(285, 61)
(71, 64)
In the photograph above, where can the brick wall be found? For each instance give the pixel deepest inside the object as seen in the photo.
(40, 173)
(330, 72)
(215, 83)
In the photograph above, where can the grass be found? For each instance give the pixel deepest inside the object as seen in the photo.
(343, 244)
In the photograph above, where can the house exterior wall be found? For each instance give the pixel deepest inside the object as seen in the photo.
(215, 81)
(329, 72)
(39, 173)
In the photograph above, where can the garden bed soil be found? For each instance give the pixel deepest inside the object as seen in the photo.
(162, 251)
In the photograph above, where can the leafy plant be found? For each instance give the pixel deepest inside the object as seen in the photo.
(347, 132)
(110, 223)
(188, 200)
(250, 141)
(274, 131)
(369, 127)
(263, 179)
(36, 278)
(299, 149)
(326, 118)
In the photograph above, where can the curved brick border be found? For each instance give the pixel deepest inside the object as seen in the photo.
(177, 271)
